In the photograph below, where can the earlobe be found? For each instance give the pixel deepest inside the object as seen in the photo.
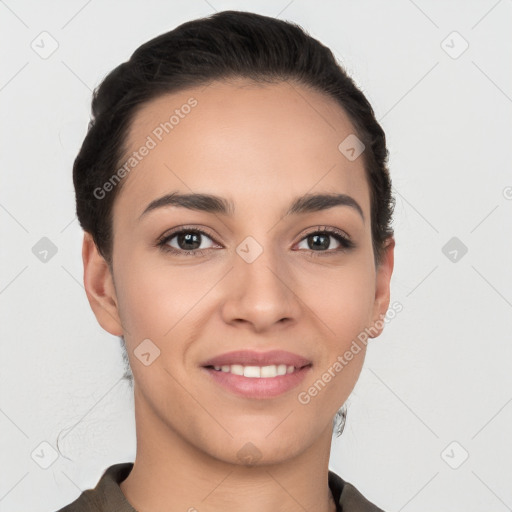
(382, 287)
(99, 287)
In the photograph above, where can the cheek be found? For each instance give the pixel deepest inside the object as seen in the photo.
(343, 298)
(158, 304)
(156, 299)
(343, 303)
(154, 296)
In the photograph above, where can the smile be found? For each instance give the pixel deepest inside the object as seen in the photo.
(257, 371)
(259, 382)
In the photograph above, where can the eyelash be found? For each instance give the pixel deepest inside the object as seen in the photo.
(346, 243)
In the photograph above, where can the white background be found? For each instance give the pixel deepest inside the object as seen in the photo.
(441, 370)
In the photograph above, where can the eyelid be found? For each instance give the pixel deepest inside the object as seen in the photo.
(177, 230)
(328, 229)
(209, 233)
(346, 240)
(343, 238)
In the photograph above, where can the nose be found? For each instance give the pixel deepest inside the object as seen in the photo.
(261, 293)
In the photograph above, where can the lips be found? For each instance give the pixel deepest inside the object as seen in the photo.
(253, 358)
(257, 388)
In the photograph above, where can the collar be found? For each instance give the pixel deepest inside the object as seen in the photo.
(107, 494)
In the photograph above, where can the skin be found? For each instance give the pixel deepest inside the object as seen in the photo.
(259, 146)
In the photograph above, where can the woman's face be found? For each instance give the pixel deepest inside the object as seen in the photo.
(260, 279)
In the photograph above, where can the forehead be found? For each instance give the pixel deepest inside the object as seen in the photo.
(252, 143)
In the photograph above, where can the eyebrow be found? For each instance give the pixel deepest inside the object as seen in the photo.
(209, 203)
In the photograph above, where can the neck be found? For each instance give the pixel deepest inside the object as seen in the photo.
(172, 473)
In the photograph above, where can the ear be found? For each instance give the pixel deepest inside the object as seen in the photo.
(382, 288)
(99, 287)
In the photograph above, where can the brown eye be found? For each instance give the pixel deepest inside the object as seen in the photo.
(320, 241)
(185, 242)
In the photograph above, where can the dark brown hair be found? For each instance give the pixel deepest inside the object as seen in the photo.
(226, 45)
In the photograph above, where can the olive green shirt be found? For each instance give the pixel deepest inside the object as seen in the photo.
(108, 497)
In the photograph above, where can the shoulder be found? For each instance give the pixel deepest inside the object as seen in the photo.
(84, 503)
(348, 497)
(107, 494)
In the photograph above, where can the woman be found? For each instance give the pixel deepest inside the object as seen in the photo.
(236, 204)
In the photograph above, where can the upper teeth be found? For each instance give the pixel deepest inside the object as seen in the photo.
(257, 371)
